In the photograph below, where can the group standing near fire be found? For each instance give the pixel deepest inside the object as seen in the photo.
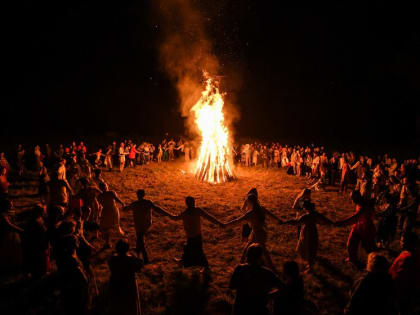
(77, 205)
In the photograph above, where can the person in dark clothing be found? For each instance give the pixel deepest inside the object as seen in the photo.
(74, 279)
(333, 170)
(372, 293)
(405, 273)
(124, 295)
(289, 301)
(36, 247)
(253, 283)
(408, 205)
(142, 210)
(387, 225)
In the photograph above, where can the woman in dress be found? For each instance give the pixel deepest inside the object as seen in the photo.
(307, 245)
(160, 153)
(304, 196)
(110, 219)
(254, 215)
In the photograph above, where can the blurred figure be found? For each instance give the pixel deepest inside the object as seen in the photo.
(289, 300)
(387, 224)
(110, 214)
(10, 241)
(58, 191)
(253, 283)
(254, 215)
(307, 245)
(36, 244)
(121, 154)
(405, 273)
(20, 159)
(363, 229)
(38, 157)
(372, 293)
(74, 279)
(108, 158)
(4, 183)
(44, 178)
(124, 298)
(142, 217)
(193, 254)
(305, 195)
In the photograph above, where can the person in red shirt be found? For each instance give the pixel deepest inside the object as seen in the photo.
(81, 148)
(363, 229)
(405, 273)
(132, 155)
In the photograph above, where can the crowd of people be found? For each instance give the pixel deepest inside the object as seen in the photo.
(76, 205)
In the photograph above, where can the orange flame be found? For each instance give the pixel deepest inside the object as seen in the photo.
(213, 160)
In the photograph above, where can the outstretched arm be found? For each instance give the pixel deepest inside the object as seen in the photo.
(299, 221)
(321, 219)
(237, 220)
(410, 205)
(12, 226)
(118, 199)
(162, 211)
(210, 218)
(68, 187)
(272, 215)
(349, 221)
(355, 165)
(292, 222)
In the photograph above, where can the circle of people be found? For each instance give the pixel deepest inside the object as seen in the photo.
(75, 200)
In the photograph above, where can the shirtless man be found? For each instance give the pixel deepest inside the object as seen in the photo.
(142, 216)
(58, 191)
(61, 169)
(98, 157)
(191, 218)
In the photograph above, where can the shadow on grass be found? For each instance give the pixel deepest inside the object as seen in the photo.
(336, 292)
(334, 271)
(188, 293)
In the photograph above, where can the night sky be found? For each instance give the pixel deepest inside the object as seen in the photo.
(334, 73)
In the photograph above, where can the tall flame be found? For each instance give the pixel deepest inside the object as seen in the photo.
(213, 160)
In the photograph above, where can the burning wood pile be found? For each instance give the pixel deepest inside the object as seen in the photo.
(213, 164)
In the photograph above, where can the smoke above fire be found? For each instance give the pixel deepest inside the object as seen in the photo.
(186, 53)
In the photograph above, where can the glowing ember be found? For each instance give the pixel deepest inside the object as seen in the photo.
(213, 160)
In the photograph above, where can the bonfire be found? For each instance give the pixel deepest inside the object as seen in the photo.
(213, 163)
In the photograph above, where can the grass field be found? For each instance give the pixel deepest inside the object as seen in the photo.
(163, 284)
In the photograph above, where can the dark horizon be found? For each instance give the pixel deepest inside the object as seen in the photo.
(328, 73)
